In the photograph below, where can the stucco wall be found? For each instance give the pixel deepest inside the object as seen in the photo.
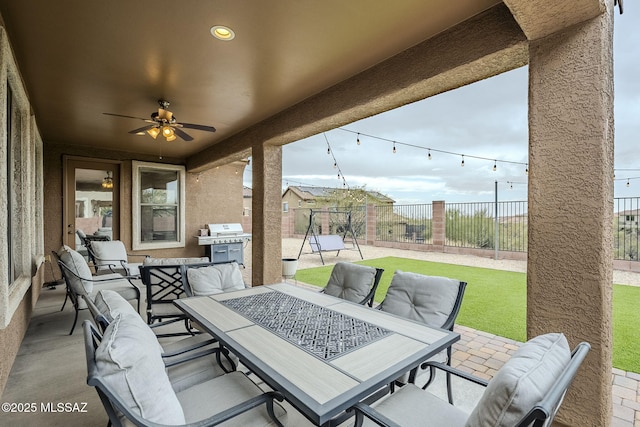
(212, 196)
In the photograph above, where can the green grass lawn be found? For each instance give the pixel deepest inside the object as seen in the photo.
(495, 301)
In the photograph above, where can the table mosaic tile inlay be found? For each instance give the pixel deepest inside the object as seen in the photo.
(323, 332)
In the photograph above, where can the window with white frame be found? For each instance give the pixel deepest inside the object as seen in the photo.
(285, 206)
(158, 205)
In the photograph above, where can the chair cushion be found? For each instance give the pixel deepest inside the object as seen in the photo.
(212, 397)
(426, 299)
(522, 382)
(187, 374)
(215, 279)
(350, 281)
(110, 304)
(109, 252)
(410, 406)
(122, 286)
(129, 361)
(77, 264)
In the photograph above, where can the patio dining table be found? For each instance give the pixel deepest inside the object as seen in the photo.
(322, 353)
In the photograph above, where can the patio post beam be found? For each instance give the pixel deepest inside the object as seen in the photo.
(570, 260)
(266, 208)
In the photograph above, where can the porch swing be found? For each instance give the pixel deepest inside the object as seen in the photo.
(320, 243)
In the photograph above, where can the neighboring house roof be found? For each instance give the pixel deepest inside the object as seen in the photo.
(247, 192)
(311, 193)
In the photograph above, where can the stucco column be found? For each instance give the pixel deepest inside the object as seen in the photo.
(267, 210)
(569, 271)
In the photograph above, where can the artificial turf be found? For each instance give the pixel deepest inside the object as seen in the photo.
(495, 301)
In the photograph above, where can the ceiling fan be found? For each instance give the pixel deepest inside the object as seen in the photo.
(164, 122)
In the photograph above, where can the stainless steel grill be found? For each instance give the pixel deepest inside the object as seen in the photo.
(225, 242)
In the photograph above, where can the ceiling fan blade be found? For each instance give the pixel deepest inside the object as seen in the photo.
(182, 134)
(126, 117)
(198, 127)
(143, 128)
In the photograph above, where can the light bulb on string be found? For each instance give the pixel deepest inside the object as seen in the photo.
(429, 154)
(358, 139)
(495, 166)
(462, 162)
(335, 165)
(526, 170)
(394, 148)
(628, 184)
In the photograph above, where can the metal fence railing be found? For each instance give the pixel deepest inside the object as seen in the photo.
(480, 225)
(472, 225)
(625, 228)
(404, 223)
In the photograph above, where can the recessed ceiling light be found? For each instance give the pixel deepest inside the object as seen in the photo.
(222, 33)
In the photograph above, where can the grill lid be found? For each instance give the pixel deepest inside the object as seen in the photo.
(232, 229)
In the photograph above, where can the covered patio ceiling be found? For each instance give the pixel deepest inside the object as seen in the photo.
(82, 59)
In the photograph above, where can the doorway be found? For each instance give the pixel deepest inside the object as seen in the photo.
(91, 200)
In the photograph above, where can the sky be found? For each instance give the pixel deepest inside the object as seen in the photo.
(484, 121)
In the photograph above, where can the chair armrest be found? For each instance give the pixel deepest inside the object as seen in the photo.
(265, 398)
(220, 352)
(115, 400)
(98, 264)
(129, 278)
(173, 360)
(68, 270)
(454, 371)
(188, 348)
(139, 255)
(363, 410)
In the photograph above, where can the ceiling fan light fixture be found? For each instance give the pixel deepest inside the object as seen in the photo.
(153, 132)
(222, 33)
(167, 131)
(170, 138)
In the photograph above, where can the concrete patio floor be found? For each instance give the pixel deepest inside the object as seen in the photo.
(50, 367)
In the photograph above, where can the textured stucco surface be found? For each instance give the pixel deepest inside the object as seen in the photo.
(570, 204)
(211, 196)
(541, 18)
(267, 209)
